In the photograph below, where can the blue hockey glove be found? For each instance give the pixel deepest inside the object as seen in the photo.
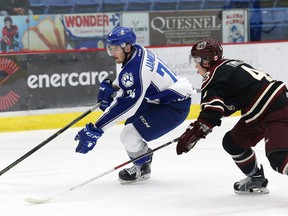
(106, 91)
(87, 137)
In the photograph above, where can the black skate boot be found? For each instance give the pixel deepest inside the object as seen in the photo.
(255, 184)
(136, 172)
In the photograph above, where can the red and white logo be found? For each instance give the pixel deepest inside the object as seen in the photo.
(7, 69)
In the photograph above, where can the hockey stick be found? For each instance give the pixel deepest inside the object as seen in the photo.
(39, 201)
(49, 139)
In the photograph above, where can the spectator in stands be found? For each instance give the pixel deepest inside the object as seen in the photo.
(14, 7)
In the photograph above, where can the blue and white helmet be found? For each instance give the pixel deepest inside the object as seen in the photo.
(120, 36)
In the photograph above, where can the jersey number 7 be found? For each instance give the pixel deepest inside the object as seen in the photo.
(162, 69)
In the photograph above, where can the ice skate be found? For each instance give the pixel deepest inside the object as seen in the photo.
(255, 184)
(136, 172)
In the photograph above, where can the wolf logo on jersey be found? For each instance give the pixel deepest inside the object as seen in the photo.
(127, 80)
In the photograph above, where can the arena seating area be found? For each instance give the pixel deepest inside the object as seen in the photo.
(268, 18)
(92, 6)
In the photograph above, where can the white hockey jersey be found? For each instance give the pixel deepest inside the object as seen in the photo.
(143, 76)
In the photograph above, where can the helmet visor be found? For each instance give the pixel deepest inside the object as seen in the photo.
(194, 60)
(111, 50)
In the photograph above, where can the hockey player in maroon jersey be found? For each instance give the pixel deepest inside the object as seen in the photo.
(230, 85)
(9, 33)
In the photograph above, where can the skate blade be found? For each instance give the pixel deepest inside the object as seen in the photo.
(142, 178)
(253, 191)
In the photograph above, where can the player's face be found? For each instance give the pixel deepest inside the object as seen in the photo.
(117, 53)
(8, 24)
(197, 63)
(201, 70)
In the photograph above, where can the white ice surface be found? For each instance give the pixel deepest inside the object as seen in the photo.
(198, 183)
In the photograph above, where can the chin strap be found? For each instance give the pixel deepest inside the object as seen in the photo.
(127, 55)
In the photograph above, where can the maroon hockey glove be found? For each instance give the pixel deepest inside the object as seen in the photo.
(193, 133)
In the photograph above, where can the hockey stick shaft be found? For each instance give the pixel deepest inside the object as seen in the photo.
(38, 201)
(53, 136)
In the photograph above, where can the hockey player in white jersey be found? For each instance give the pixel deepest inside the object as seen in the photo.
(150, 98)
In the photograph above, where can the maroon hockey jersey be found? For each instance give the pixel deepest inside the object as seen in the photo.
(232, 85)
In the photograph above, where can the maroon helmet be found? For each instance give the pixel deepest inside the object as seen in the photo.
(208, 51)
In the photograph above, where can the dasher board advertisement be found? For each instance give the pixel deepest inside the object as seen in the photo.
(235, 26)
(12, 34)
(72, 81)
(48, 81)
(13, 88)
(186, 27)
(86, 31)
(139, 23)
(56, 32)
